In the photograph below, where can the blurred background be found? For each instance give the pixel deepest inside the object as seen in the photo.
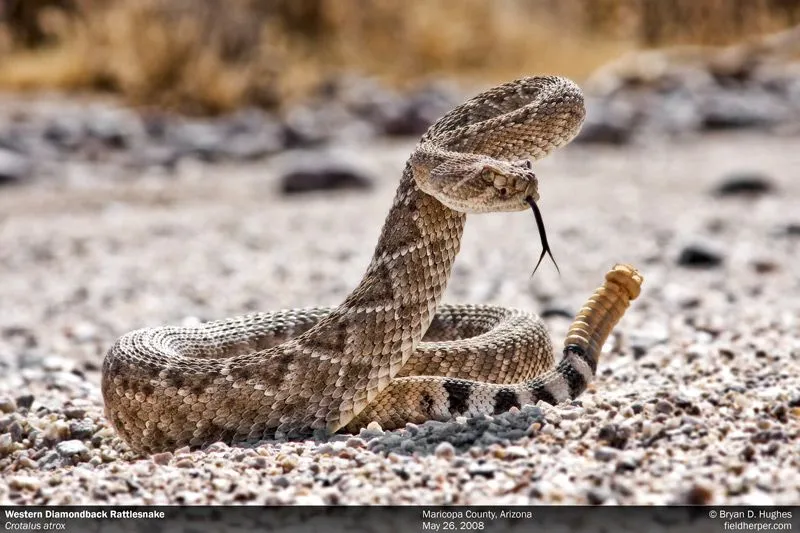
(211, 56)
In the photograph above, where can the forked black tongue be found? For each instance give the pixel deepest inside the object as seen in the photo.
(542, 235)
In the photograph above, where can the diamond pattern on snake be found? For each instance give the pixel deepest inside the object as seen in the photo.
(392, 352)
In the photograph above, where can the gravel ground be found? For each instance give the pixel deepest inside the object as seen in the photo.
(698, 394)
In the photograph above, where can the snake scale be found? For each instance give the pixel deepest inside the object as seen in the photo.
(391, 352)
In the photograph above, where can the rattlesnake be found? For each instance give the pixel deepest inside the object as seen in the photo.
(299, 372)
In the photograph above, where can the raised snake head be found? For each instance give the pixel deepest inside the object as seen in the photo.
(474, 183)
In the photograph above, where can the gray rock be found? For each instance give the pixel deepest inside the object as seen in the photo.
(605, 453)
(323, 174)
(700, 255)
(72, 448)
(7, 405)
(665, 407)
(25, 401)
(744, 184)
(482, 470)
(444, 450)
(65, 133)
(608, 122)
(14, 167)
(736, 109)
(83, 429)
(202, 140)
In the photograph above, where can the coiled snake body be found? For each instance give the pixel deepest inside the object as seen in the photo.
(390, 352)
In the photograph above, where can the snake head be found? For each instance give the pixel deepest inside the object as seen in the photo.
(478, 184)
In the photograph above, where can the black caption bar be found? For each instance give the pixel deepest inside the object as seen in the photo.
(527, 519)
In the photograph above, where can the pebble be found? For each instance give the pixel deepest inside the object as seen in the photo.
(663, 406)
(699, 494)
(162, 458)
(744, 184)
(58, 431)
(7, 444)
(372, 431)
(699, 255)
(316, 173)
(605, 453)
(445, 450)
(217, 447)
(25, 401)
(75, 413)
(515, 452)
(355, 442)
(7, 405)
(72, 448)
(24, 483)
(482, 470)
(14, 167)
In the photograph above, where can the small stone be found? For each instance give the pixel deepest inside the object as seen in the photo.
(516, 452)
(16, 431)
(355, 442)
(699, 494)
(444, 450)
(372, 430)
(289, 463)
(572, 414)
(72, 448)
(663, 406)
(75, 413)
(607, 124)
(321, 174)
(185, 463)
(791, 230)
(7, 405)
(605, 454)
(744, 184)
(58, 431)
(217, 447)
(748, 453)
(48, 459)
(54, 363)
(700, 256)
(482, 470)
(325, 449)
(281, 482)
(25, 401)
(258, 462)
(162, 458)
(81, 429)
(189, 497)
(84, 332)
(14, 167)
(6, 444)
(596, 497)
(24, 483)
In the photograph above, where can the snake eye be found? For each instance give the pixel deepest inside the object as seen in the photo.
(528, 164)
(503, 191)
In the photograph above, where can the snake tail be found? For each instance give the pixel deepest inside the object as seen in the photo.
(585, 338)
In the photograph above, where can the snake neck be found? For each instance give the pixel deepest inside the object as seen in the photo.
(412, 261)
(364, 342)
